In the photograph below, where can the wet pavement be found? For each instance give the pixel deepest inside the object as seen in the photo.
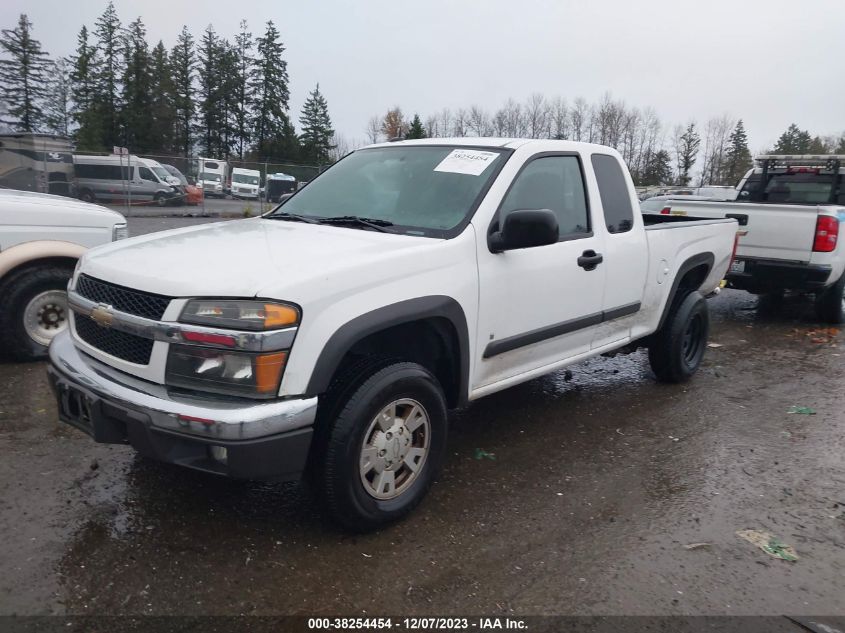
(598, 482)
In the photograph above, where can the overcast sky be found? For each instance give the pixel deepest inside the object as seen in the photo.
(771, 62)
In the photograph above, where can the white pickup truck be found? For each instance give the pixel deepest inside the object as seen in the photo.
(41, 238)
(791, 208)
(330, 336)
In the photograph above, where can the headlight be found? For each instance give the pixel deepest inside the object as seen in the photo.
(119, 232)
(232, 373)
(239, 315)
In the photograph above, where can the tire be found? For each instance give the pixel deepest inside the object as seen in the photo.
(361, 437)
(677, 348)
(86, 195)
(34, 310)
(160, 200)
(830, 304)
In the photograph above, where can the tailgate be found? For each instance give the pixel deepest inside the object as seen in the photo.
(775, 231)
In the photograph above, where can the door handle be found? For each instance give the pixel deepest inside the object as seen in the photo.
(590, 259)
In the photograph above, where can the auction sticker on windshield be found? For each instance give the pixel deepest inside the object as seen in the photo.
(467, 161)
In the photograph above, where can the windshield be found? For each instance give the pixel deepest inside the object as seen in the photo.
(421, 189)
(245, 179)
(161, 172)
(210, 177)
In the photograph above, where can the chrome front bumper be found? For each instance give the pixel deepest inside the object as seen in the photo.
(237, 438)
(208, 417)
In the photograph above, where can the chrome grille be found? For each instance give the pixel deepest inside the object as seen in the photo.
(128, 347)
(135, 302)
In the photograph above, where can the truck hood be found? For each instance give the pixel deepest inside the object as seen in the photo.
(43, 209)
(254, 257)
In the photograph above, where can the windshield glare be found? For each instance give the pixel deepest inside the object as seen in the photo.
(417, 188)
(245, 179)
(210, 177)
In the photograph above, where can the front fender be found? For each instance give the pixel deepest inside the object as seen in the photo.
(417, 309)
(20, 254)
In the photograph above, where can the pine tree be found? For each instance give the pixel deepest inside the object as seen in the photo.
(316, 136)
(183, 63)
(687, 153)
(212, 98)
(88, 134)
(136, 115)
(657, 169)
(107, 75)
(793, 141)
(23, 76)
(57, 105)
(163, 90)
(737, 157)
(273, 131)
(416, 129)
(243, 90)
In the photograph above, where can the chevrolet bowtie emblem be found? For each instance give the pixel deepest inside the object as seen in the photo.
(102, 315)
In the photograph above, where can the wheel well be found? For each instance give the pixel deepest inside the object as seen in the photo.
(431, 342)
(43, 262)
(692, 279)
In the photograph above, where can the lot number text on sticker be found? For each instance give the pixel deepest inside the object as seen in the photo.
(467, 161)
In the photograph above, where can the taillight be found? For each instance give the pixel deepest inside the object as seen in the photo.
(738, 235)
(665, 210)
(827, 231)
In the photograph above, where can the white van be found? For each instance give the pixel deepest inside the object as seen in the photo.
(124, 178)
(211, 176)
(245, 183)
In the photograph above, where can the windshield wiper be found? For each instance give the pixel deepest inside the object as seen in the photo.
(292, 217)
(373, 223)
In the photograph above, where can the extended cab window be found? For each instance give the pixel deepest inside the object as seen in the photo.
(615, 197)
(554, 183)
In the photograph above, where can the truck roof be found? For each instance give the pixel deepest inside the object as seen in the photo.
(510, 143)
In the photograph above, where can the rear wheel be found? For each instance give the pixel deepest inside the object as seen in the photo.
(34, 311)
(677, 349)
(382, 445)
(830, 304)
(86, 195)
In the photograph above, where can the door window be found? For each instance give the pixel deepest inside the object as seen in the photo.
(146, 174)
(554, 183)
(615, 197)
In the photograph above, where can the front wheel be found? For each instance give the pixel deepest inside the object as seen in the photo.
(383, 447)
(34, 310)
(160, 200)
(830, 304)
(677, 348)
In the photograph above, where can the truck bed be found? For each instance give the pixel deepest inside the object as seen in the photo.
(774, 231)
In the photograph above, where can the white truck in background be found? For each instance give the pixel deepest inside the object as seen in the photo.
(791, 208)
(42, 237)
(246, 183)
(212, 175)
(330, 336)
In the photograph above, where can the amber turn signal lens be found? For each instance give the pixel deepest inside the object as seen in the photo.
(268, 371)
(277, 315)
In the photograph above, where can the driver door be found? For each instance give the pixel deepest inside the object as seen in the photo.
(539, 306)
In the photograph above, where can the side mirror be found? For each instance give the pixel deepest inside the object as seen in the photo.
(525, 228)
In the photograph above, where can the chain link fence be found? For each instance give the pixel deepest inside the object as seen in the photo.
(214, 186)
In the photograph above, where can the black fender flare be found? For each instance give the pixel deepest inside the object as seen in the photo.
(362, 326)
(707, 259)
